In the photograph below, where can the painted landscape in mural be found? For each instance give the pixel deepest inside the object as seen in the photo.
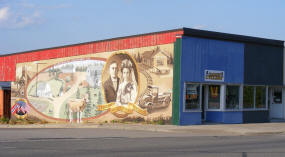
(101, 86)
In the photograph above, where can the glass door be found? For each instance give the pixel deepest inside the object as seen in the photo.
(276, 103)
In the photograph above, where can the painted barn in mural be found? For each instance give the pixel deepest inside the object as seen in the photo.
(97, 87)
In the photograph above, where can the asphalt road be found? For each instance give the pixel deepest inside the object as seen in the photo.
(15, 142)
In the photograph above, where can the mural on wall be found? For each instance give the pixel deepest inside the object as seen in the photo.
(20, 109)
(101, 86)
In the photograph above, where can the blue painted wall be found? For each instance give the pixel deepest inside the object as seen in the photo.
(190, 118)
(228, 117)
(233, 117)
(200, 54)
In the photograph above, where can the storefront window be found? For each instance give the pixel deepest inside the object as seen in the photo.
(214, 97)
(192, 97)
(248, 97)
(232, 97)
(260, 98)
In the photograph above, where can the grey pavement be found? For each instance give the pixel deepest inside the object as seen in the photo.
(191, 130)
(125, 141)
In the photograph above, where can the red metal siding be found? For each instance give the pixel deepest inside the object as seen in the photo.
(8, 63)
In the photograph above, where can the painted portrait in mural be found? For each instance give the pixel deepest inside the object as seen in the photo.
(120, 84)
(120, 79)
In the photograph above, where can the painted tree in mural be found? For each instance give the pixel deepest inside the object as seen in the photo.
(95, 79)
(100, 98)
(88, 106)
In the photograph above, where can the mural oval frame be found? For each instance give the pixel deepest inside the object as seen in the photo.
(67, 61)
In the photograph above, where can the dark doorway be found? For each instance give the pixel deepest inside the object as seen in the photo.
(7, 103)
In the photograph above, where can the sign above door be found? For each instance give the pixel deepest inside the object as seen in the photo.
(214, 75)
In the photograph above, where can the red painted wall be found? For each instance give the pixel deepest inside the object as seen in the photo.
(8, 63)
(1, 103)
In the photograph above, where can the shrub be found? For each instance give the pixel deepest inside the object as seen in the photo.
(4, 120)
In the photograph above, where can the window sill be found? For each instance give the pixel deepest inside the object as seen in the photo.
(192, 111)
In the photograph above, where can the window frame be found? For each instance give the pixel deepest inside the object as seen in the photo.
(254, 99)
(220, 94)
(240, 98)
(200, 98)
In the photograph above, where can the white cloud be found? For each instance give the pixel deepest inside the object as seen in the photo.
(199, 27)
(4, 12)
(22, 21)
(23, 14)
(11, 18)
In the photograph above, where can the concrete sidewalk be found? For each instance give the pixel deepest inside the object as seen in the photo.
(193, 130)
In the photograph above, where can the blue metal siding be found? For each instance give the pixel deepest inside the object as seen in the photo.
(214, 116)
(228, 117)
(200, 54)
(232, 117)
(190, 118)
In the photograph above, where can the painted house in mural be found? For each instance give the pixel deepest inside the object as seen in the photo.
(184, 76)
(43, 90)
(157, 60)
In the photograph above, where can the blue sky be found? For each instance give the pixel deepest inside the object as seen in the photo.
(35, 24)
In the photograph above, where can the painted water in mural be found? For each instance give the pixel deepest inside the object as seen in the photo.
(104, 86)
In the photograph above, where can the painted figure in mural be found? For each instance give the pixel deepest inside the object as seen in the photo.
(77, 106)
(112, 84)
(127, 91)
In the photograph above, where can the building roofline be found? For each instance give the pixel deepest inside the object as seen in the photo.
(186, 32)
(96, 41)
(231, 37)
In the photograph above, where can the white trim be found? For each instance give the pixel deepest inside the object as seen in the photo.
(223, 97)
(241, 97)
(205, 94)
(206, 97)
(284, 69)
